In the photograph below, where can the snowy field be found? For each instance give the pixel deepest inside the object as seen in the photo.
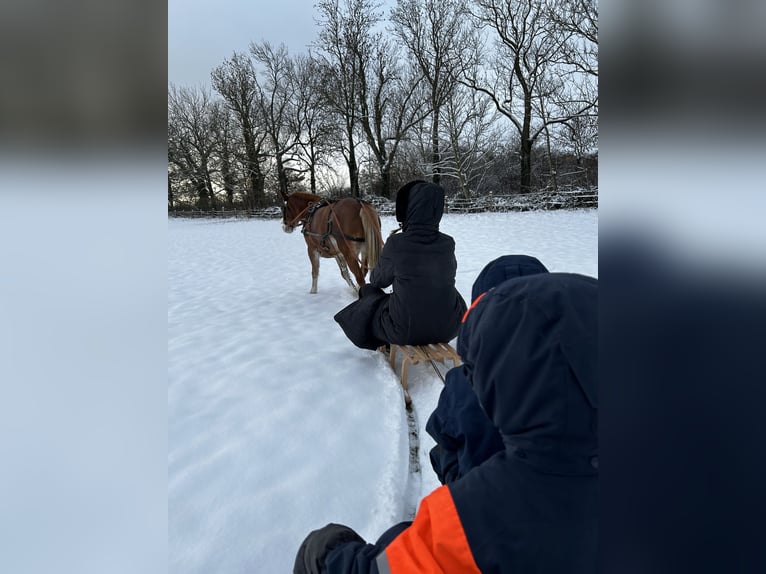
(277, 424)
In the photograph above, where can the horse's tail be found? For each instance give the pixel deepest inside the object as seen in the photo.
(372, 239)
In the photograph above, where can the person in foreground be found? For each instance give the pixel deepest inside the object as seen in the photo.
(465, 437)
(419, 263)
(529, 351)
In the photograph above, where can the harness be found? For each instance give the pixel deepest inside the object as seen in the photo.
(312, 208)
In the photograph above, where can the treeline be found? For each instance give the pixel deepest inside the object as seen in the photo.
(479, 95)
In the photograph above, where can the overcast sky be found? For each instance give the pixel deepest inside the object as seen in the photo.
(202, 33)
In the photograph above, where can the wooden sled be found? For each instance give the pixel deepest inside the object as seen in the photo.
(436, 352)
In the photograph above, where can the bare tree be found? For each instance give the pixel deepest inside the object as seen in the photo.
(391, 104)
(579, 134)
(472, 137)
(192, 121)
(225, 151)
(434, 32)
(235, 81)
(311, 117)
(523, 74)
(344, 41)
(568, 101)
(276, 100)
(178, 178)
(579, 20)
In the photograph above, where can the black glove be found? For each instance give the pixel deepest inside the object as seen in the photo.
(318, 544)
(368, 289)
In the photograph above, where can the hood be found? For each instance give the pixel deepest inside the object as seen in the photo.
(504, 268)
(420, 204)
(530, 353)
(494, 273)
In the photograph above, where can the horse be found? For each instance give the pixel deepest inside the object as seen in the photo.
(346, 229)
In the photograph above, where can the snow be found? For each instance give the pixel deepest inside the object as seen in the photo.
(277, 424)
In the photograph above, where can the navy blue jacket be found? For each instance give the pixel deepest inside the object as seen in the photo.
(531, 357)
(464, 435)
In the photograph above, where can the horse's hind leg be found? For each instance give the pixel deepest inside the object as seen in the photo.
(343, 266)
(344, 271)
(353, 264)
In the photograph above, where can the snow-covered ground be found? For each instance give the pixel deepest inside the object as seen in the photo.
(277, 424)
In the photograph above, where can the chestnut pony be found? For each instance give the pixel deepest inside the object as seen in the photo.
(346, 229)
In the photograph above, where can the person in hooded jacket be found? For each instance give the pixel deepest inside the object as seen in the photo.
(529, 348)
(419, 264)
(464, 435)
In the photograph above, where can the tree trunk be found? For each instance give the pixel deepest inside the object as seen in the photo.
(312, 170)
(385, 182)
(259, 184)
(551, 167)
(281, 175)
(353, 171)
(252, 185)
(254, 175)
(228, 185)
(209, 184)
(525, 156)
(203, 202)
(526, 165)
(464, 185)
(435, 151)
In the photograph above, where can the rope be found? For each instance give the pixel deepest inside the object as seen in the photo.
(430, 360)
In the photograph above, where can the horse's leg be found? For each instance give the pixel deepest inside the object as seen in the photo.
(342, 265)
(344, 271)
(351, 257)
(315, 258)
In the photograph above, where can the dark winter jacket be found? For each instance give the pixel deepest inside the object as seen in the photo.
(530, 356)
(424, 306)
(464, 435)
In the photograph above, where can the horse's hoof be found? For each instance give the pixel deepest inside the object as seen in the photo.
(313, 292)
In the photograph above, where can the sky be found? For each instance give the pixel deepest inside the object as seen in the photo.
(201, 33)
(277, 424)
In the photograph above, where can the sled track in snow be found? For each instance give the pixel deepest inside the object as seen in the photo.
(414, 478)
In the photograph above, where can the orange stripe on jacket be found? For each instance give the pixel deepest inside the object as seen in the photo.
(435, 542)
(475, 301)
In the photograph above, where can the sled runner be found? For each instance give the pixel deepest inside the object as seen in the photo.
(435, 353)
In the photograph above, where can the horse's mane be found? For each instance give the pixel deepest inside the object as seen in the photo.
(306, 196)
